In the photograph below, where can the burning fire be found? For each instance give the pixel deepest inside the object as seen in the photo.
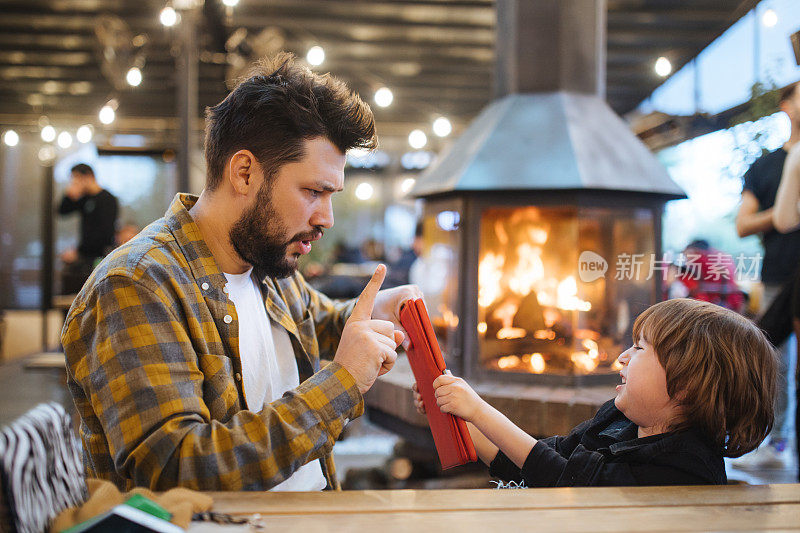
(532, 362)
(525, 277)
(490, 274)
(522, 295)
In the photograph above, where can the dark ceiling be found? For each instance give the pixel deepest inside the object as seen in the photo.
(436, 55)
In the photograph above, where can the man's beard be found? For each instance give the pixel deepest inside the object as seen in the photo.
(258, 237)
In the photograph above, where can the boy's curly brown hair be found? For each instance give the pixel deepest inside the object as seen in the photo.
(720, 368)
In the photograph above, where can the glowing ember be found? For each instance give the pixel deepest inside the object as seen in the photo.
(508, 361)
(537, 363)
(544, 334)
(511, 333)
(584, 362)
(482, 327)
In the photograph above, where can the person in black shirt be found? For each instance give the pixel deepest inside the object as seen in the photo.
(781, 259)
(698, 384)
(98, 210)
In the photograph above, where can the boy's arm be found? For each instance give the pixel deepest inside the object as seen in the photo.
(500, 432)
(486, 450)
(454, 396)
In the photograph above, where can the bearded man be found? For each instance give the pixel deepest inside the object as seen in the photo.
(194, 350)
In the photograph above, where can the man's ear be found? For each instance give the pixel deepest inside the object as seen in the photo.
(240, 172)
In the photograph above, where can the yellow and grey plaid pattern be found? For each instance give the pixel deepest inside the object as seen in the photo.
(152, 350)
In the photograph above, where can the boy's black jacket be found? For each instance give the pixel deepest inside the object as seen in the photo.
(605, 451)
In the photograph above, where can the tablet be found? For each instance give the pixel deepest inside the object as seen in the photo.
(450, 433)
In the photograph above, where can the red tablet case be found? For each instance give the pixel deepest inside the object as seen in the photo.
(450, 433)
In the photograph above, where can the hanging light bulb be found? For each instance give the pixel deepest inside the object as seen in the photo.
(364, 191)
(315, 55)
(64, 139)
(11, 138)
(84, 134)
(769, 18)
(108, 112)
(663, 67)
(442, 127)
(48, 134)
(168, 16)
(134, 76)
(417, 139)
(384, 97)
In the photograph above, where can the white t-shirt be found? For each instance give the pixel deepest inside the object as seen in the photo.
(269, 368)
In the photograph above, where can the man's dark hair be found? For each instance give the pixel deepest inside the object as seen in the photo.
(82, 169)
(275, 108)
(787, 92)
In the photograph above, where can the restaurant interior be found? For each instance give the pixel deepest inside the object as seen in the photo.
(515, 137)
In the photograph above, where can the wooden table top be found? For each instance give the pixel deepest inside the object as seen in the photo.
(726, 508)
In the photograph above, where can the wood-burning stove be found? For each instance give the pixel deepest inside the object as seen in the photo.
(505, 288)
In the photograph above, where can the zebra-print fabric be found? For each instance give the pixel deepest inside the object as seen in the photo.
(41, 468)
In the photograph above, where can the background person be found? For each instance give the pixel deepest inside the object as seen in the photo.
(786, 217)
(98, 209)
(781, 257)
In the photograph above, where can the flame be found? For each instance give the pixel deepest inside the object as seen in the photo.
(508, 361)
(568, 296)
(511, 333)
(450, 318)
(500, 232)
(482, 327)
(537, 235)
(584, 362)
(529, 270)
(592, 347)
(537, 363)
(551, 316)
(587, 334)
(505, 313)
(490, 274)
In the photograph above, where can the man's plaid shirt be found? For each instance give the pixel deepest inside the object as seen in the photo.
(152, 348)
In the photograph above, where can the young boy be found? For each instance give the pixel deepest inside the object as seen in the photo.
(698, 384)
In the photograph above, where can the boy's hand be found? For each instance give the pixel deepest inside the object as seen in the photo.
(418, 399)
(454, 396)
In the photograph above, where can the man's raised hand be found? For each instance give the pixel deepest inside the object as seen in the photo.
(367, 347)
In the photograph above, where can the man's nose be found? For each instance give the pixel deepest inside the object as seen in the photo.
(323, 216)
